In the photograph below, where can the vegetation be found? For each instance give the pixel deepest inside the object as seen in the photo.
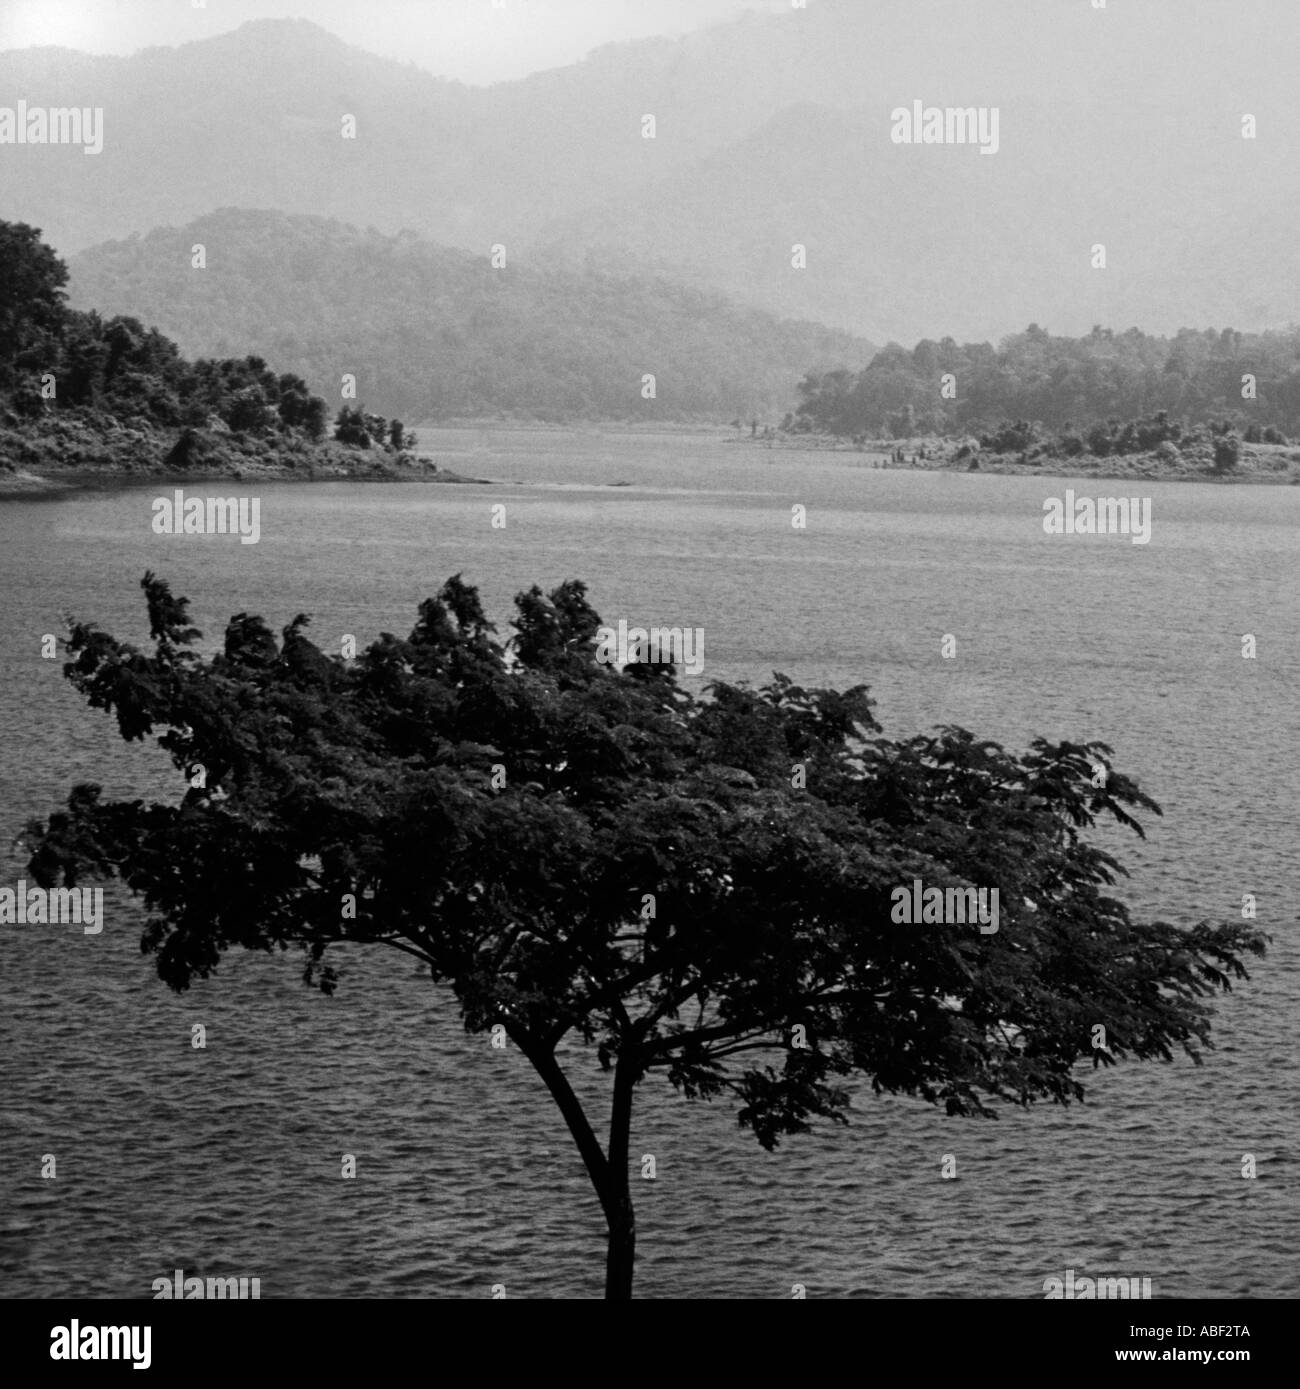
(77, 389)
(435, 333)
(698, 889)
(1100, 380)
(1160, 435)
(365, 430)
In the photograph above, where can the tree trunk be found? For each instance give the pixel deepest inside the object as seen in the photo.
(621, 1258)
(608, 1172)
(617, 1199)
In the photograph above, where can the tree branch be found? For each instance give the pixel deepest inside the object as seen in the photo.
(546, 1066)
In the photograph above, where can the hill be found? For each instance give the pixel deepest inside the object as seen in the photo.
(433, 332)
(1121, 127)
(84, 398)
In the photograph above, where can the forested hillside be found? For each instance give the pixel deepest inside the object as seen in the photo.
(1249, 380)
(83, 391)
(430, 332)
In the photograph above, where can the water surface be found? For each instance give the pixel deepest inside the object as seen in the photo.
(227, 1161)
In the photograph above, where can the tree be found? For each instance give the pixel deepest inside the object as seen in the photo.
(698, 888)
(350, 427)
(299, 409)
(32, 278)
(124, 337)
(902, 424)
(1227, 452)
(85, 354)
(249, 411)
(376, 427)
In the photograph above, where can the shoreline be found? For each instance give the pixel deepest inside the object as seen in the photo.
(26, 485)
(1138, 467)
(1260, 465)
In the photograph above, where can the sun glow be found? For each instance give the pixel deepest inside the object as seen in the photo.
(60, 24)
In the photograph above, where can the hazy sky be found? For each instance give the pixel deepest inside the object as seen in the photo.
(476, 41)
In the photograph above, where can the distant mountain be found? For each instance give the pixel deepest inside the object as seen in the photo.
(253, 118)
(431, 331)
(909, 242)
(1121, 127)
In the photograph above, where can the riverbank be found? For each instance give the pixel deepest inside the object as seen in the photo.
(50, 457)
(1278, 464)
(73, 452)
(19, 484)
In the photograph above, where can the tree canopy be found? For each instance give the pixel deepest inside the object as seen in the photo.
(1061, 381)
(697, 887)
(32, 280)
(118, 367)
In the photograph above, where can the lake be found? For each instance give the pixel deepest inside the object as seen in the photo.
(227, 1160)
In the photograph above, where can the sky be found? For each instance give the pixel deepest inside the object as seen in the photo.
(473, 41)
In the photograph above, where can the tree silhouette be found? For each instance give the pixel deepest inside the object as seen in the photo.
(121, 367)
(698, 888)
(32, 280)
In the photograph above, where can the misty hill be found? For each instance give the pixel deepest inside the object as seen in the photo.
(254, 118)
(908, 242)
(770, 130)
(434, 332)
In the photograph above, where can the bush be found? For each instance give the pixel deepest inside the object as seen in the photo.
(249, 412)
(1011, 438)
(350, 428)
(1227, 452)
(1072, 445)
(1099, 440)
(1135, 436)
(191, 450)
(27, 400)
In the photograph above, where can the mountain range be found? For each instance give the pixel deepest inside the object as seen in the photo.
(1121, 127)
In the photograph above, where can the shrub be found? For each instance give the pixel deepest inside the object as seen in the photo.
(1071, 445)
(1227, 452)
(1011, 438)
(249, 411)
(350, 428)
(1099, 440)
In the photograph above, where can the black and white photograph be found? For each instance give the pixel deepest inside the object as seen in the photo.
(650, 652)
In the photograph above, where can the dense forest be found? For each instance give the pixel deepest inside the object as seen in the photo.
(434, 333)
(1080, 387)
(77, 388)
